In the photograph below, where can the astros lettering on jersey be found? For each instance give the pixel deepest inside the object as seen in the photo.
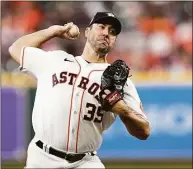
(67, 113)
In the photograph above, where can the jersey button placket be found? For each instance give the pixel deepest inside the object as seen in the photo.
(75, 104)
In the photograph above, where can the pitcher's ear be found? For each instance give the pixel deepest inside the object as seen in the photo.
(86, 32)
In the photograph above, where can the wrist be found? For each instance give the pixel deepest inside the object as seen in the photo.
(52, 31)
(109, 100)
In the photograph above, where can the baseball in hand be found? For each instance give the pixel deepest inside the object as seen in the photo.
(74, 31)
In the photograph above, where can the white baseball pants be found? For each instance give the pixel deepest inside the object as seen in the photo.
(37, 158)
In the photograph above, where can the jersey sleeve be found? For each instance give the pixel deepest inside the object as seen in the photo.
(33, 60)
(36, 61)
(132, 99)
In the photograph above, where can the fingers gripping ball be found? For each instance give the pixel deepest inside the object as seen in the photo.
(74, 31)
(113, 79)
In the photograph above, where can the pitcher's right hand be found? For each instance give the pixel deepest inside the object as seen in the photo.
(64, 31)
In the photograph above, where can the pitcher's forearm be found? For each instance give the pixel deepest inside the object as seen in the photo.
(36, 39)
(33, 40)
(135, 124)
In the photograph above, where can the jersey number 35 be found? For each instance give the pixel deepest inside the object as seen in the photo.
(92, 110)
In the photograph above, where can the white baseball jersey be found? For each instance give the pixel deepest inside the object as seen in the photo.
(67, 114)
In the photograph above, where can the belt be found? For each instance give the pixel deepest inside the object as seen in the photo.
(67, 156)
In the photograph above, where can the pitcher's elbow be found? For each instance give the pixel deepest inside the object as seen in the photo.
(14, 53)
(10, 50)
(143, 134)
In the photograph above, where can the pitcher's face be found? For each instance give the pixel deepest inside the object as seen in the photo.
(102, 37)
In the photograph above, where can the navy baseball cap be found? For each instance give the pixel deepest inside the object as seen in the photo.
(107, 18)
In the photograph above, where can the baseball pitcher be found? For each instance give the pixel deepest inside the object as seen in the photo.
(77, 97)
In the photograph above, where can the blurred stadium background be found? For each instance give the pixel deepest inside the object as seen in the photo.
(156, 42)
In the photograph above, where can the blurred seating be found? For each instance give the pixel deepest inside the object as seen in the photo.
(156, 37)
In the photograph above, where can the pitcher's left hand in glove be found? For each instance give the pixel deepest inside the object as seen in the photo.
(112, 82)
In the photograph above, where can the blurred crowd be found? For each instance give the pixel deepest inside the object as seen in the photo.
(156, 36)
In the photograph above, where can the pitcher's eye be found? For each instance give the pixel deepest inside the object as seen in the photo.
(102, 26)
(112, 31)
